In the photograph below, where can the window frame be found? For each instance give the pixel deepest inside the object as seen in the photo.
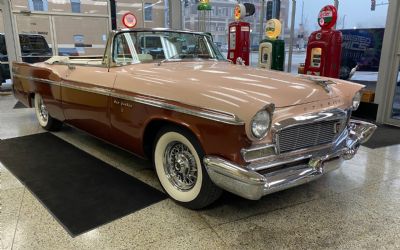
(45, 5)
(148, 7)
(75, 4)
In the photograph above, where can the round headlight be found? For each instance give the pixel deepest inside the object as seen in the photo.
(260, 124)
(356, 101)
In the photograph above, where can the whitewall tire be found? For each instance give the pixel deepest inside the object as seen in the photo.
(178, 161)
(45, 120)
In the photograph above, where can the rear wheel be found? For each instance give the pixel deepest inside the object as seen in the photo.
(178, 161)
(45, 120)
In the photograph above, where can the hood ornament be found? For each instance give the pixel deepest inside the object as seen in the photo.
(324, 83)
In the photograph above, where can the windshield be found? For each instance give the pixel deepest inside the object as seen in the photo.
(153, 46)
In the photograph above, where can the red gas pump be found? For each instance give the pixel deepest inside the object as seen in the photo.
(239, 35)
(239, 42)
(324, 47)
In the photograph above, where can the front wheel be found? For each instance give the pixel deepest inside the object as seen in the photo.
(45, 120)
(178, 161)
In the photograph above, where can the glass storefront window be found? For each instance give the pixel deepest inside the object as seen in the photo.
(222, 14)
(149, 13)
(35, 37)
(98, 7)
(4, 65)
(81, 42)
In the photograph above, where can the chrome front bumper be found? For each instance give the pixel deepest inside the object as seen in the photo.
(294, 170)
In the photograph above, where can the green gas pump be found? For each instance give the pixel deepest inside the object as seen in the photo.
(272, 49)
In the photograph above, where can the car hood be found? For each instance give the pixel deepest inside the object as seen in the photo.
(223, 86)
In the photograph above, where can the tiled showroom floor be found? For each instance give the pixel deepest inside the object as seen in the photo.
(357, 206)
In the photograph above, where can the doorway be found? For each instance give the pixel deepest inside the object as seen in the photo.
(388, 87)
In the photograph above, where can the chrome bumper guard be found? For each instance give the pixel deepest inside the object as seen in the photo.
(253, 185)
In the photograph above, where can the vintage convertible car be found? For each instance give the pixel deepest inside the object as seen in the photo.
(206, 123)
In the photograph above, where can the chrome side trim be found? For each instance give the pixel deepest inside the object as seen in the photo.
(94, 90)
(37, 79)
(209, 114)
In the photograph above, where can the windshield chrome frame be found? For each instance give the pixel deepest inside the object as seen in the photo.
(108, 53)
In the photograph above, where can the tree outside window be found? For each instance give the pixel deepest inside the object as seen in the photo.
(148, 12)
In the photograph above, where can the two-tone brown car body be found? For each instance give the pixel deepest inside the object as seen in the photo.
(199, 119)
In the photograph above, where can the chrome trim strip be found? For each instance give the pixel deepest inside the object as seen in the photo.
(37, 79)
(213, 115)
(217, 116)
(245, 151)
(328, 115)
(276, 160)
(94, 90)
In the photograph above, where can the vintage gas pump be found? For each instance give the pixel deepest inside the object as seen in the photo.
(324, 46)
(239, 35)
(272, 50)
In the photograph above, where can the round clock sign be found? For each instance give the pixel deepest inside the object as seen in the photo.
(129, 20)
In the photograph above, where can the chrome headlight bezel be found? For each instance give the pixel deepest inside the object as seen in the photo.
(355, 103)
(261, 121)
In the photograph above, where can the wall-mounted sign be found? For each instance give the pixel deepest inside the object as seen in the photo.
(273, 29)
(129, 20)
(327, 17)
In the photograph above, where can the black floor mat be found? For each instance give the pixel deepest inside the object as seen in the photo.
(19, 105)
(81, 191)
(384, 136)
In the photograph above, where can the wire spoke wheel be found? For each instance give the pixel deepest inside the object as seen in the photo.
(180, 166)
(178, 161)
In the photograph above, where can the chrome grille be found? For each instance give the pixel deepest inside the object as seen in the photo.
(307, 135)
